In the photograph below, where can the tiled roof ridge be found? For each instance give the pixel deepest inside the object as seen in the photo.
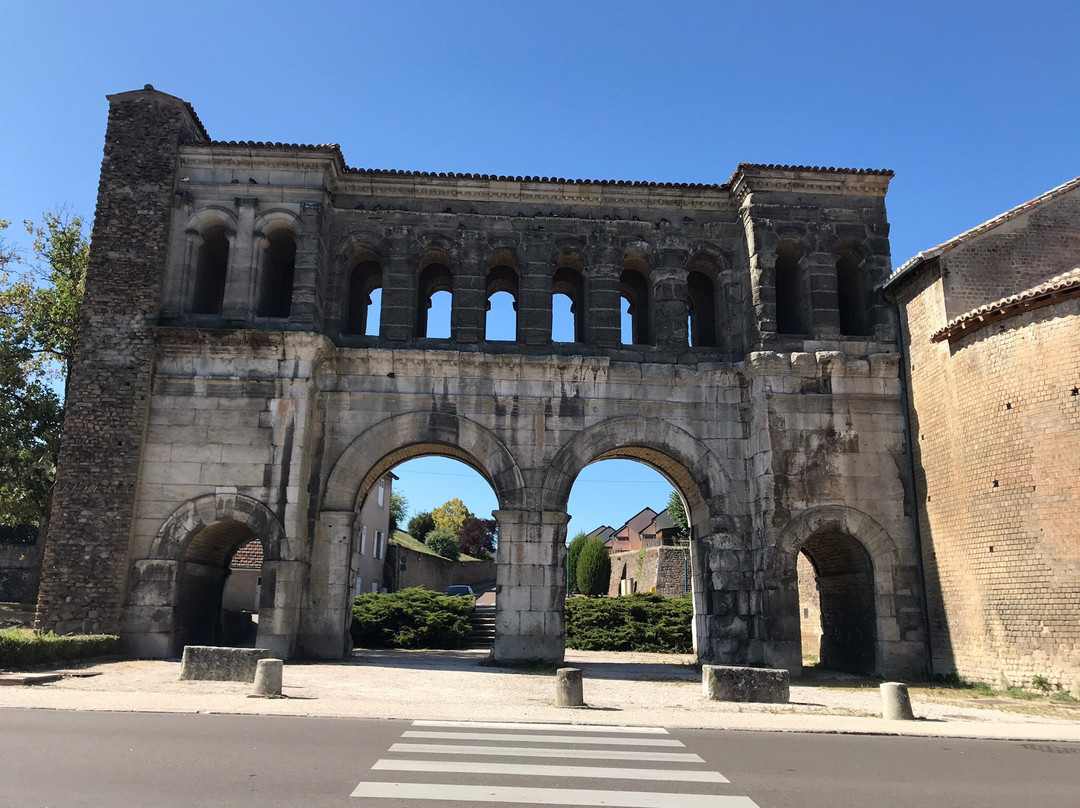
(1060, 287)
(986, 226)
(394, 172)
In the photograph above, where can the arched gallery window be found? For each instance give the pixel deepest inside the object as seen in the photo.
(211, 267)
(501, 295)
(436, 289)
(365, 298)
(634, 291)
(568, 305)
(276, 275)
(701, 303)
(792, 300)
(851, 293)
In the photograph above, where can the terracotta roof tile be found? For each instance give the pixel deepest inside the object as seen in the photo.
(1060, 287)
(248, 556)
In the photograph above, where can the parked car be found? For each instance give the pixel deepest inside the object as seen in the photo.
(457, 590)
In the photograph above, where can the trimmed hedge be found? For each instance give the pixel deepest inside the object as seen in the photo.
(22, 649)
(411, 618)
(643, 621)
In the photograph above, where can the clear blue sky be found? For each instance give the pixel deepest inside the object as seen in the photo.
(976, 106)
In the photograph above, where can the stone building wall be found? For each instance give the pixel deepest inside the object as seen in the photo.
(995, 417)
(432, 572)
(762, 380)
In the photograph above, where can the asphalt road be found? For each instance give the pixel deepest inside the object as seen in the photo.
(54, 759)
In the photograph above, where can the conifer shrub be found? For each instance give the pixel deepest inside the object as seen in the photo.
(644, 621)
(573, 552)
(593, 568)
(411, 618)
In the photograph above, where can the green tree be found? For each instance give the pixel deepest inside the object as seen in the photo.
(450, 516)
(593, 568)
(420, 525)
(444, 543)
(39, 325)
(399, 506)
(573, 552)
(677, 513)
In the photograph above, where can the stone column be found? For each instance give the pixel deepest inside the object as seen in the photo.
(467, 315)
(150, 612)
(324, 630)
(534, 296)
(530, 586)
(819, 270)
(279, 606)
(605, 318)
(307, 308)
(242, 276)
(669, 300)
(726, 586)
(400, 272)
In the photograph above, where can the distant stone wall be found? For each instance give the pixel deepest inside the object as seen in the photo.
(652, 569)
(432, 572)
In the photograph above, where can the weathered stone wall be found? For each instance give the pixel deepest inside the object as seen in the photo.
(995, 421)
(279, 423)
(432, 572)
(108, 393)
(660, 569)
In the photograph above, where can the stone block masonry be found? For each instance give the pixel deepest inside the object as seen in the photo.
(230, 386)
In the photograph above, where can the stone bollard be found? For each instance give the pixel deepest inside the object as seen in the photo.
(268, 678)
(568, 688)
(895, 704)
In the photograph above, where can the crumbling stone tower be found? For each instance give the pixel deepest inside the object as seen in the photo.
(232, 384)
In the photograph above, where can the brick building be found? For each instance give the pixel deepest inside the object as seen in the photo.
(991, 326)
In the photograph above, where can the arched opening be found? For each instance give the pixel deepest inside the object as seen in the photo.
(501, 284)
(843, 576)
(365, 298)
(211, 269)
(568, 300)
(634, 291)
(701, 305)
(851, 293)
(436, 289)
(201, 614)
(792, 306)
(277, 275)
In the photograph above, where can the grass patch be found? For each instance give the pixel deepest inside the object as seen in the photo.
(22, 648)
(643, 621)
(403, 539)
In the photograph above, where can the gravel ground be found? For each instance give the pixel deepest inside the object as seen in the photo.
(620, 688)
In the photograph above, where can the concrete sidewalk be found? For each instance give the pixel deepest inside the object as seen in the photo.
(620, 688)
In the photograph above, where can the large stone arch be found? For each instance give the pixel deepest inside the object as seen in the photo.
(899, 649)
(363, 462)
(401, 437)
(697, 472)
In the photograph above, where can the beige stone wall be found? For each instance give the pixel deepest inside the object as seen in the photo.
(996, 429)
(809, 608)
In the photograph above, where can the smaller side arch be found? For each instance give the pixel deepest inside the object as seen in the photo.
(195, 514)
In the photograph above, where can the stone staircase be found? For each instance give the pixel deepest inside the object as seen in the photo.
(482, 635)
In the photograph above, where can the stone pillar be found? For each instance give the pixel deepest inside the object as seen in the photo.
(149, 614)
(726, 586)
(819, 270)
(469, 309)
(605, 318)
(86, 553)
(530, 586)
(324, 629)
(534, 297)
(669, 300)
(243, 274)
(400, 273)
(307, 307)
(279, 606)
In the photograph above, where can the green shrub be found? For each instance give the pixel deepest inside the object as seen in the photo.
(411, 618)
(21, 649)
(641, 622)
(593, 568)
(573, 552)
(444, 543)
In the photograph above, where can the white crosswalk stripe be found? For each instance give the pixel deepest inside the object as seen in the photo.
(456, 750)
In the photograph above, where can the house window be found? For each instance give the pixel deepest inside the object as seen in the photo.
(359, 585)
(382, 493)
(378, 548)
(374, 588)
(363, 539)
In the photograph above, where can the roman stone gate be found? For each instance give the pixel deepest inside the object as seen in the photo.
(231, 384)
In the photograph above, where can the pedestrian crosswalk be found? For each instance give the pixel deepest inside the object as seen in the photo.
(556, 764)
